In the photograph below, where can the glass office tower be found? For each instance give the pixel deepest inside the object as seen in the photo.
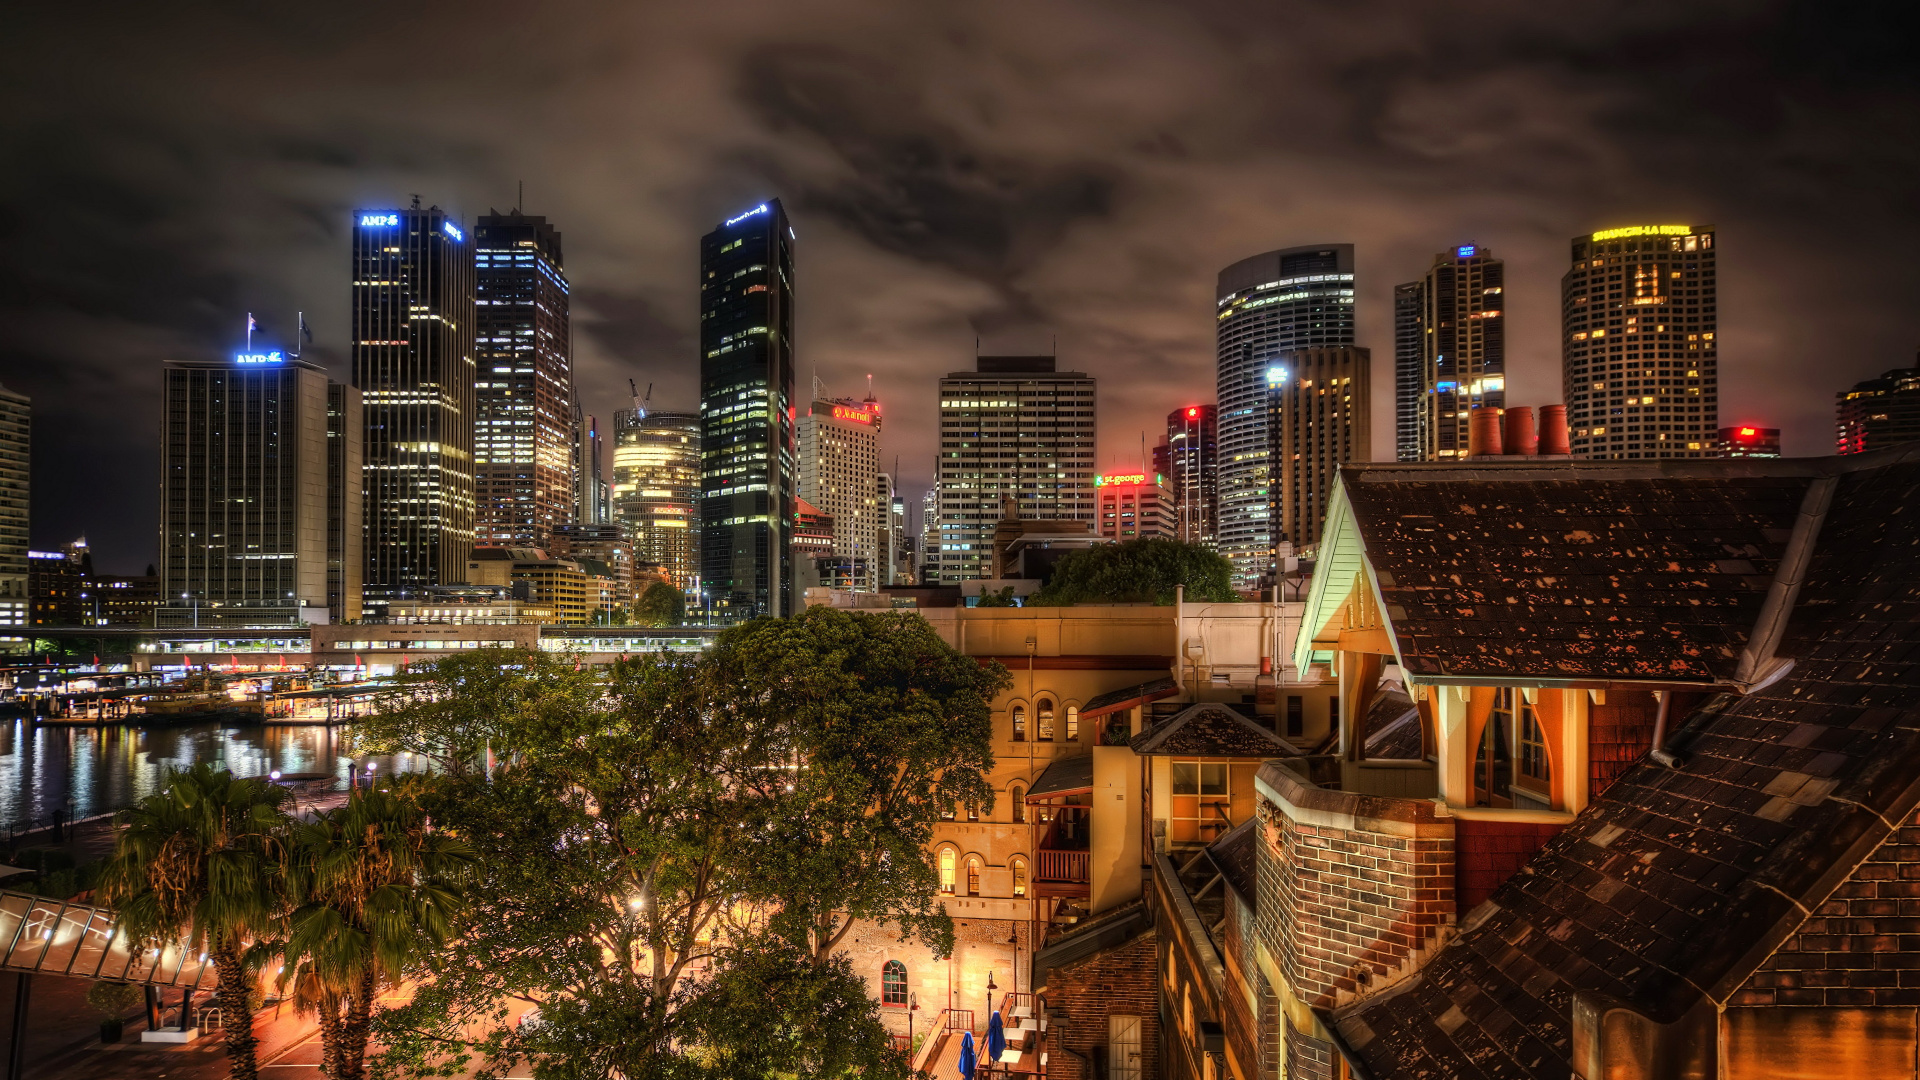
(1269, 305)
(413, 348)
(523, 433)
(747, 472)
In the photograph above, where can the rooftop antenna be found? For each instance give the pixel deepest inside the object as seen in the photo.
(520, 200)
(816, 380)
(639, 406)
(416, 200)
(869, 386)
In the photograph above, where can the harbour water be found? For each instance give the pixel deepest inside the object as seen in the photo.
(94, 770)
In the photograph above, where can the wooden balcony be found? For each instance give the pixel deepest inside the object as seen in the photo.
(1061, 862)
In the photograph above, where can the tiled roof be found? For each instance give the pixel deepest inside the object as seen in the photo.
(1586, 570)
(1208, 729)
(1680, 881)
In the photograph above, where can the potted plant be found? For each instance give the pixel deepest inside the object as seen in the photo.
(112, 1000)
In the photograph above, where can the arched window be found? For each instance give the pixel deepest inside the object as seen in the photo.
(946, 871)
(893, 984)
(973, 875)
(1018, 796)
(1043, 713)
(1019, 867)
(1019, 723)
(1073, 723)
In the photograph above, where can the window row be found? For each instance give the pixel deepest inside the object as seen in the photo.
(1044, 726)
(950, 864)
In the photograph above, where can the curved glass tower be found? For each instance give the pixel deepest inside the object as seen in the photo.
(1269, 305)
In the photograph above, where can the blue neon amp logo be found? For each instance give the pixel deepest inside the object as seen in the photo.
(377, 221)
(273, 357)
(452, 230)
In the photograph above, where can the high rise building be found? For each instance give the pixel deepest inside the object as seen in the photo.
(747, 473)
(927, 570)
(1880, 412)
(413, 330)
(60, 584)
(523, 439)
(1320, 405)
(656, 491)
(244, 521)
(1273, 303)
(1012, 429)
(346, 505)
(1191, 466)
(592, 494)
(839, 450)
(1746, 440)
(1409, 371)
(16, 505)
(1135, 506)
(1449, 352)
(1637, 319)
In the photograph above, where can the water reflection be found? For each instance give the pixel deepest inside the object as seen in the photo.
(86, 770)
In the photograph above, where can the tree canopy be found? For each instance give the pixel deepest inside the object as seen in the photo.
(1135, 572)
(671, 847)
(660, 604)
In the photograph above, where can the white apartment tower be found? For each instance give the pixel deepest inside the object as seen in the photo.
(839, 448)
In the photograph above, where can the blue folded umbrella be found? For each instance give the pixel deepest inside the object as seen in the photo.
(996, 1036)
(966, 1056)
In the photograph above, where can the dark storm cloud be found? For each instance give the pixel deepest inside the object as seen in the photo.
(1018, 172)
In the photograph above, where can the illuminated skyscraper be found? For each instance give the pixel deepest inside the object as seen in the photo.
(656, 490)
(1014, 428)
(1638, 342)
(747, 473)
(839, 446)
(1879, 412)
(245, 522)
(1270, 304)
(523, 438)
(16, 439)
(1450, 353)
(1192, 470)
(1320, 417)
(413, 330)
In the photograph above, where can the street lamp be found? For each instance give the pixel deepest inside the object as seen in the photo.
(913, 1006)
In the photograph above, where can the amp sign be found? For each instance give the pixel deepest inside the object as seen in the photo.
(273, 357)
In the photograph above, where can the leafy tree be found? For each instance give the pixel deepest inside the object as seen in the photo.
(660, 604)
(199, 862)
(1137, 571)
(1001, 597)
(885, 728)
(643, 879)
(451, 710)
(375, 889)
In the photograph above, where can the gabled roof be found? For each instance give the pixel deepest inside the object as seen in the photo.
(1063, 776)
(1678, 882)
(1569, 572)
(1208, 729)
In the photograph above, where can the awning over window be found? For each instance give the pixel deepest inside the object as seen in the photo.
(1128, 697)
(1066, 776)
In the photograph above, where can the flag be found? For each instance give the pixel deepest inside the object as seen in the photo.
(357, 662)
(305, 330)
(251, 325)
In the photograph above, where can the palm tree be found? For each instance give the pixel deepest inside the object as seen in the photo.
(199, 861)
(375, 892)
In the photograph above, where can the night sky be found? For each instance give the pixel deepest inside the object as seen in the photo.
(1022, 173)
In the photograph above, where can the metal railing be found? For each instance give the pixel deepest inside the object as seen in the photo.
(59, 937)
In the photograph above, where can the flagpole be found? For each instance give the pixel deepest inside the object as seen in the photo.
(249, 331)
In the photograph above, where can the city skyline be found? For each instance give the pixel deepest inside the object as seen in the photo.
(1097, 224)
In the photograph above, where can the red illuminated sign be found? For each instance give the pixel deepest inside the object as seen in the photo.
(858, 416)
(1192, 412)
(1747, 433)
